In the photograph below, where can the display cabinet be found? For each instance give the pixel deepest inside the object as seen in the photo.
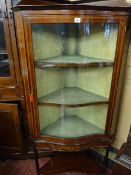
(70, 61)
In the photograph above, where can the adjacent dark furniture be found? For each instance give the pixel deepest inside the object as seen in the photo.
(122, 162)
(11, 89)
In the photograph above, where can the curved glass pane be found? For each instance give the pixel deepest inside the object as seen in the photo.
(73, 66)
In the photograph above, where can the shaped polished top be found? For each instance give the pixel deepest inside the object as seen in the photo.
(111, 5)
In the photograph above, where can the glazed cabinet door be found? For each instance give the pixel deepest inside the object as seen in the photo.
(7, 74)
(11, 140)
(73, 66)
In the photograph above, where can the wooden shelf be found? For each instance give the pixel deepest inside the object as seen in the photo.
(71, 127)
(72, 61)
(72, 97)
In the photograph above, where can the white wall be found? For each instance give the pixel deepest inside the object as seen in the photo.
(124, 120)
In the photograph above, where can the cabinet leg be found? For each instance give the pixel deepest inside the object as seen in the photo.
(106, 157)
(36, 160)
(37, 163)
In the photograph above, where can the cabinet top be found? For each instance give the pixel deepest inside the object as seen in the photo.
(109, 5)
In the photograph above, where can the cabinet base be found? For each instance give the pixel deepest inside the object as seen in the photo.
(72, 162)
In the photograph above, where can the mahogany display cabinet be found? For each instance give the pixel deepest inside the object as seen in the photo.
(70, 57)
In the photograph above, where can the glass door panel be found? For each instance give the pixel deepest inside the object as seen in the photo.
(73, 66)
(7, 74)
(4, 62)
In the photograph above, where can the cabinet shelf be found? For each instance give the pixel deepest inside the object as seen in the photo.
(3, 52)
(72, 61)
(70, 127)
(72, 97)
